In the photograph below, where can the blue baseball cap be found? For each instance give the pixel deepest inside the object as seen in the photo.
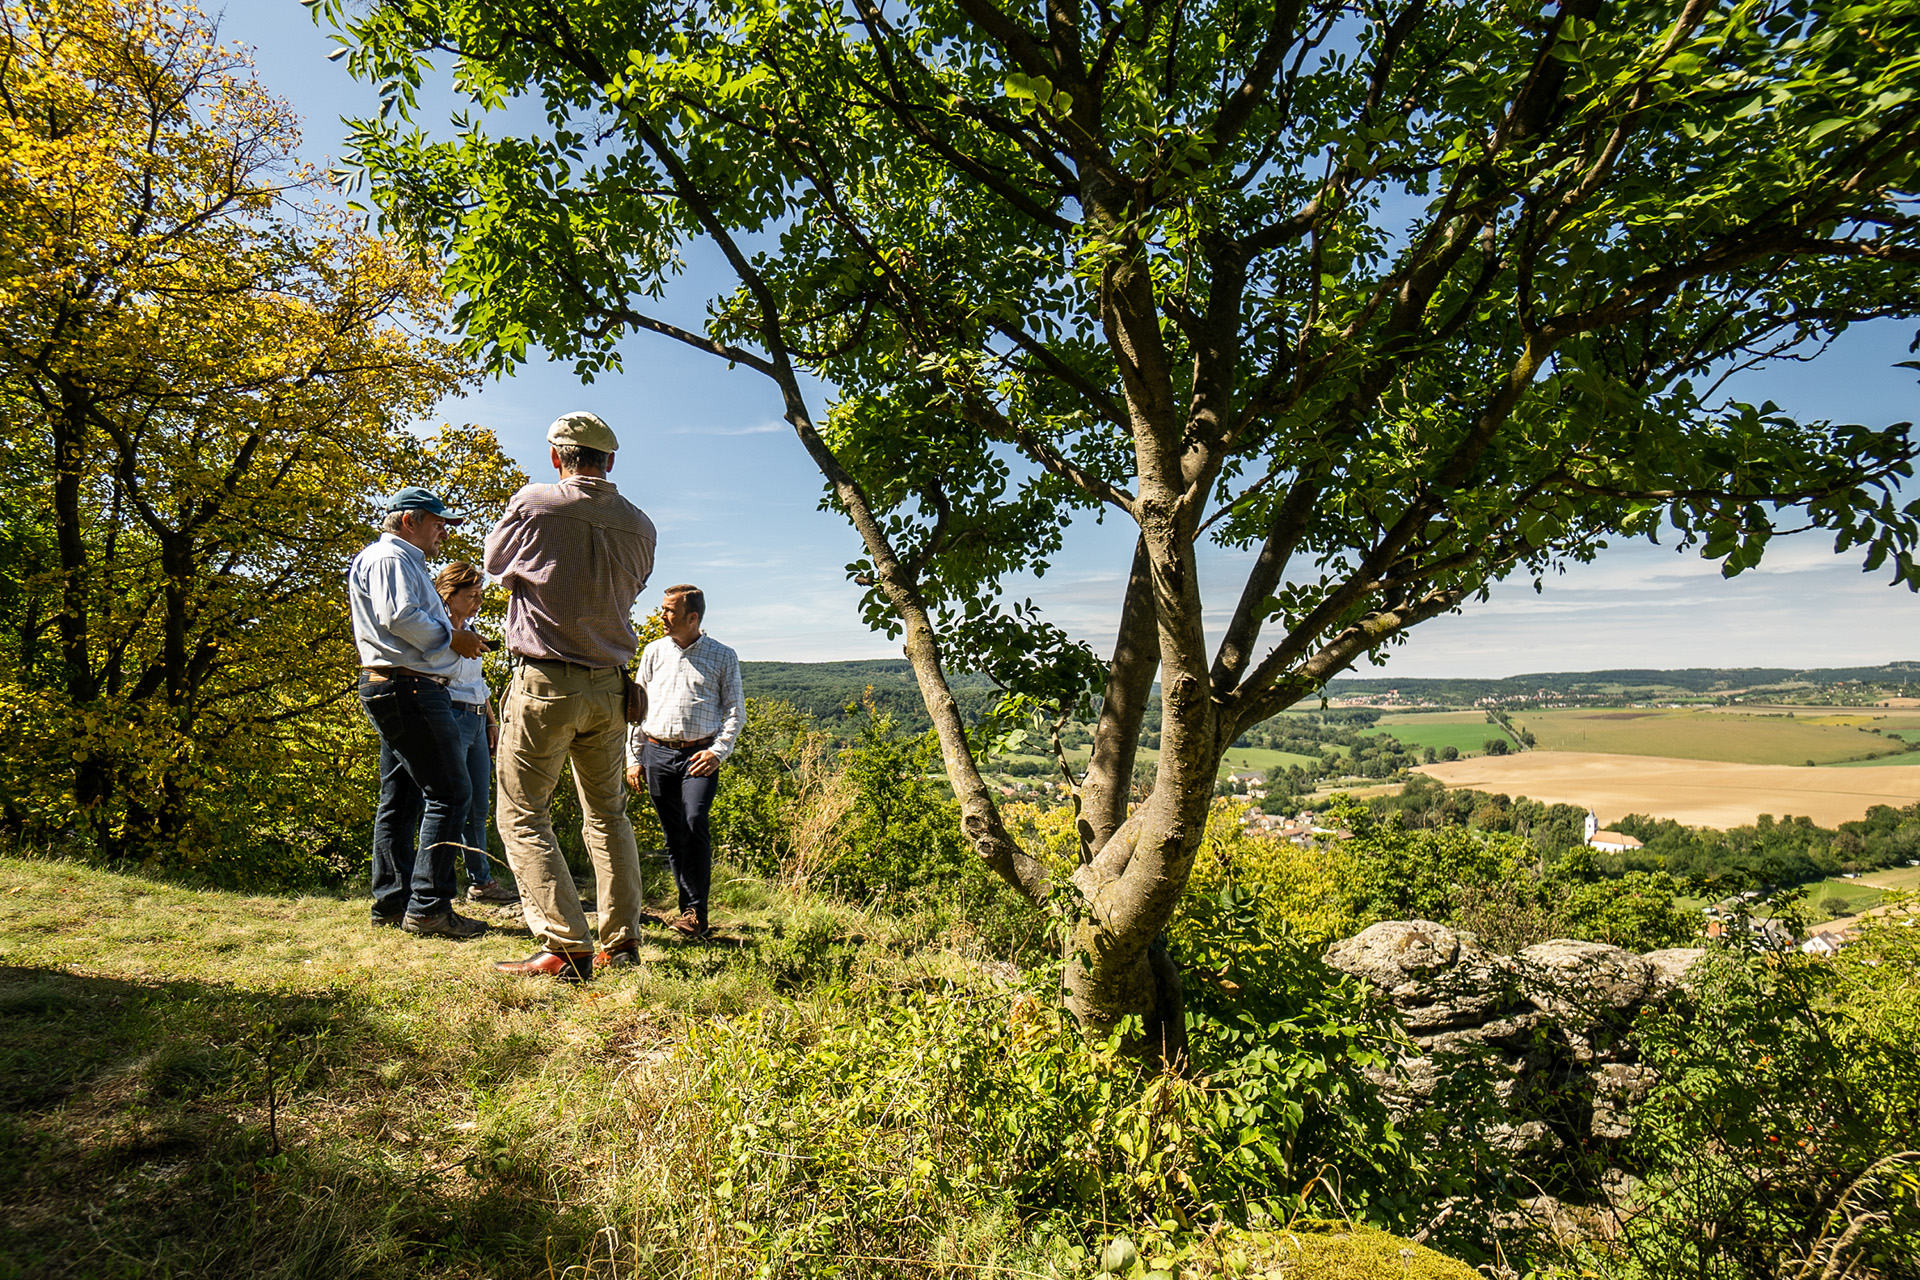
(414, 498)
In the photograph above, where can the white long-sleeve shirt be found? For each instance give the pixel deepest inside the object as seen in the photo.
(398, 617)
(691, 693)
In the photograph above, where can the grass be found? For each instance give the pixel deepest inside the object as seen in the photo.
(205, 1084)
(1237, 758)
(433, 1118)
(1857, 894)
(1704, 735)
(1263, 759)
(1465, 731)
(1904, 758)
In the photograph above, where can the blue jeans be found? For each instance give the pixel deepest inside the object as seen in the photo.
(683, 802)
(423, 788)
(478, 762)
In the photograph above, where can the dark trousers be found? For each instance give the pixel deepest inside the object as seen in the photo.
(478, 762)
(683, 802)
(424, 787)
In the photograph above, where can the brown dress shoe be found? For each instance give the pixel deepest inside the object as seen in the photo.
(550, 964)
(624, 956)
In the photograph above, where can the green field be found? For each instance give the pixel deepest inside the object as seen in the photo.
(1237, 758)
(1908, 758)
(1857, 894)
(1466, 731)
(1703, 735)
(1261, 758)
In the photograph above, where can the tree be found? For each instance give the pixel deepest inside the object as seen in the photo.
(1404, 297)
(205, 385)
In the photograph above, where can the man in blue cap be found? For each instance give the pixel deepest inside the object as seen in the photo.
(408, 653)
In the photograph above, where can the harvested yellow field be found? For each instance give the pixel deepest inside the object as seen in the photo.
(1701, 793)
(1823, 737)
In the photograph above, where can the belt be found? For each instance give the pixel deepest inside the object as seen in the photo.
(558, 662)
(388, 673)
(683, 744)
(471, 708)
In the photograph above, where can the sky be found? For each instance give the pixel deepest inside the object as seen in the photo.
(706, 454)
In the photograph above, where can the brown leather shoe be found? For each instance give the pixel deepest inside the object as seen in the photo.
(550, 964)
(689, 925)
(624, 956)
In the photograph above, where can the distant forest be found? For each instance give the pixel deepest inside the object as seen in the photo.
(1632, 682)
(825, 689)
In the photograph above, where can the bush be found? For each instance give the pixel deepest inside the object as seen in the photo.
(1778, 1139)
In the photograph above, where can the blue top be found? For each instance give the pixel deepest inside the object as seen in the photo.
(398, 619)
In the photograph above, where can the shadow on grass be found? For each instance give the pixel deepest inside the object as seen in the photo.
(134, 1140)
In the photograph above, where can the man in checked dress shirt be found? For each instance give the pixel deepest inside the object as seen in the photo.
(694, 714)
(574, 555)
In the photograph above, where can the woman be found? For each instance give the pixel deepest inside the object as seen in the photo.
(460, 585)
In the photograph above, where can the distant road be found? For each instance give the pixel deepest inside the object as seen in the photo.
(1700, 793)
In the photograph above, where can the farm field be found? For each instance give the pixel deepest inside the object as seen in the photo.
(1904, 759)
(1857, 894)
(1701, 793)
(1905, 879)
(1261, 758)
(1766, 739)
(1237, 758)
(1466, 731)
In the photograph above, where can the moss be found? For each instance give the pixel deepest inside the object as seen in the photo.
(1328, 1251)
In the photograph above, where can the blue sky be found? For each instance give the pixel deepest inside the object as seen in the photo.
(735, 498)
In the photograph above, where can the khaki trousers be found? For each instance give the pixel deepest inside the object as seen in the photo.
(551, 713)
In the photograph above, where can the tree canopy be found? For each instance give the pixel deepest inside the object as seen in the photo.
(1404, 297)
(206, 378)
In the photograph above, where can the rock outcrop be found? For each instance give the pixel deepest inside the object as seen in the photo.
(1547, 1028)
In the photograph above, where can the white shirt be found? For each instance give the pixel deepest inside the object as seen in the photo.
(398, 618)
(469, 683)
(691, 692)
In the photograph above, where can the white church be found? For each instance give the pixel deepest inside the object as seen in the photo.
(1608, 841)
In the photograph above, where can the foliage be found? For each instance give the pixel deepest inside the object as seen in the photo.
(1303, 890)
(1410, 298)
(901, 832)
(204, 384)
(777, 762)
(1775, 1135)
(1290, 1045)
(1425, 875)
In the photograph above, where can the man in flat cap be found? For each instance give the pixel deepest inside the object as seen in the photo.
(409, 652)
(573, 555)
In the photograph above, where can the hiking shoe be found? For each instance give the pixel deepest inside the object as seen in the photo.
(624, 956)
(445, 924)
(491, 891)
(576, 967)
(689, 925)
(379, 921)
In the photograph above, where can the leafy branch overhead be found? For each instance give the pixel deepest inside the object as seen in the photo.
(1405, 297)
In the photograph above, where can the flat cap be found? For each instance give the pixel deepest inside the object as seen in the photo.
(583, 430)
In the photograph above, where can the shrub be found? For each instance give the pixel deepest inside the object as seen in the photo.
(1778, 1139)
